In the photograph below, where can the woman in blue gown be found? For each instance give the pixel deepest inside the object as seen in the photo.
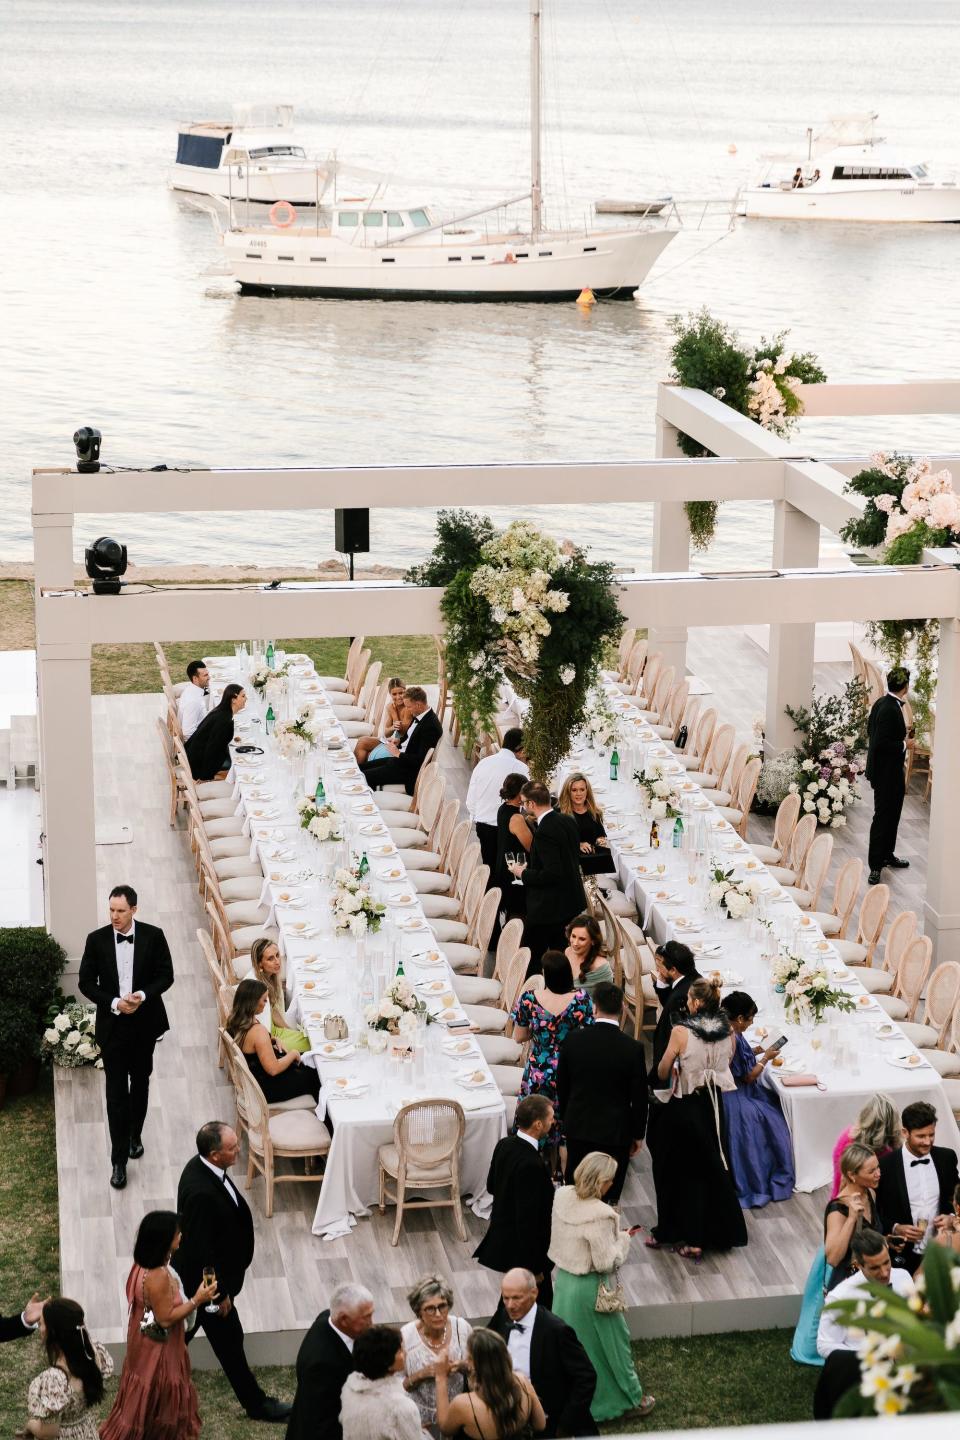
(758, 1138)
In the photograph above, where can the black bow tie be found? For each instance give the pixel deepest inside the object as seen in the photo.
(919, 1162)
(516, 1325)
(125, 939)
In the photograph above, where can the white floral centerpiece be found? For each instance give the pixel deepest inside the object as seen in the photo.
(323, 822)
(261, 676)
(809, 994)
(602, 727)
(737, 897)
(662, 800)
(828, 785)
(68, 1040)
(785, 967)
(296, 737)
(398, 1011)
(354, 908)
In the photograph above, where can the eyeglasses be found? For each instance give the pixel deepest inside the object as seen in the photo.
(440, 1306)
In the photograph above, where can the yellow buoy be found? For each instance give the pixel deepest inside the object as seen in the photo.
(586, 297)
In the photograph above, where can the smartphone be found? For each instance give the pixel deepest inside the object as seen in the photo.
(778, 1045)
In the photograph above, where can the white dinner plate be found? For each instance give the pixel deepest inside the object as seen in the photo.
(908, 1062)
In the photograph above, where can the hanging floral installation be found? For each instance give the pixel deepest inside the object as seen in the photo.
(520, 607)
(761, 383)
(910, 507)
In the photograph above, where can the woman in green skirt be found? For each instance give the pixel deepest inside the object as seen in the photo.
(267, 966)
(587, 1246)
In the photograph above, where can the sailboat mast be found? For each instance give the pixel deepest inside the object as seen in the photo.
(536, 199)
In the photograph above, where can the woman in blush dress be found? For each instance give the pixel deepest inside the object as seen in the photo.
(545, 1015)
(758, 1137)
(877, 1126)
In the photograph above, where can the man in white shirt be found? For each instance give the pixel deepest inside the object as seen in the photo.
(193, 702)
(872, 1260)
(545, 1349)
(917, 1184)
(483, 793)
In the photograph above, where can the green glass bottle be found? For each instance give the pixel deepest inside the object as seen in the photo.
(614, 763)
(364, 868)
(678, 833)
(399, 964)
(320, 795)
(271, 720)
(270, 654)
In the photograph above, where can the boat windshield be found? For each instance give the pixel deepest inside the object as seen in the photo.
(419, 218)
(870, 172)
(272, 152)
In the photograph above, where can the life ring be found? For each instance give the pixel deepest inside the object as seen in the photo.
(282, 207)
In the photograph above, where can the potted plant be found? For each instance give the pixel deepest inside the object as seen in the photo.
(31, 964)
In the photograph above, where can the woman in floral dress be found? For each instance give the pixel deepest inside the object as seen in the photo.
(64, 1398)
(545, 1015)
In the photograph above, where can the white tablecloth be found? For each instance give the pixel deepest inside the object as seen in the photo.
(325, 970)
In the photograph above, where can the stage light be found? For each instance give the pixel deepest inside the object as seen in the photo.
(106, 561)
(87, 441)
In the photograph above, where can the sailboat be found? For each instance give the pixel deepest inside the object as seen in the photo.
(367, 249)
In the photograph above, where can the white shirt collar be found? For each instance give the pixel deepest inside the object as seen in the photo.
(347, 1339)
(131, 931)
(222, 1176)
(522, 1135)
(605, 1020)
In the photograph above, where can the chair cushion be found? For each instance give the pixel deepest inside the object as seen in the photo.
(896, 1008)
(766, 853)
(241, 887)
(218, 809)
(410, 837)
(731, 815)
(445, 930)
(472, 990)
(348, 712)
(220, 829)
(803, 898)
(920, 1035)
(875, 982)
(508, 1078)
(332, 682)
(851, 952)
(719, 797)
(430, 882)
(235, 867)
(296, 1102)
(214, 790)
(244, 936)
(464, 959)
(828, 922)
(620, 905)
(354, 729)
(783, 876)
(665, 731)
(486, 1018)
(229, 846)
(498, 1050)
(394, 800)
(246, 912)
(437, 907)
(299, 1130)
(418, 859)
(703, 777)
(942, 1061)
(389, 1157)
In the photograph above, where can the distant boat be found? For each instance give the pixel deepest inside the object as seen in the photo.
(632, 207)
(362, 249)
(849, 174)
(253, 158)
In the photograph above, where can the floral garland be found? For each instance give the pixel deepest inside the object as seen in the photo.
(69, 1038)
(399, 1011)
(519, 606)
(737, 897)
(261, 676)
(353, 906)
(761, 383)
(663, 801)
(323, 822)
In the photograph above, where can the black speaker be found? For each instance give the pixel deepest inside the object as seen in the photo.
(352, 531)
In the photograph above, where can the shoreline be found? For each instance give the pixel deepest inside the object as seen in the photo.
(327, 570)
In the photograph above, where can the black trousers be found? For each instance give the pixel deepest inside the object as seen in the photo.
(541, 938)
(387, 772)
(577, 1150)
(487, 835)
(126, 1069)
(225, 1334)
(887, 805)
(841, 1372)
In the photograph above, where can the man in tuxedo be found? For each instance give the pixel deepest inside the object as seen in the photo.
(676, 972)
(403, 765)
(917, 1182)
(218, 1235)
(519, 1231)
(325, 1360)
(125, 969)
(602, 1089)
(886, 737)
(547, 1350)
(14, 1327)
(551, 876)
(194, 702)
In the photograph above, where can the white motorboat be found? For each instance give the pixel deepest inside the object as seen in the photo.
(366, 249)
(255, 158)
(846, 175)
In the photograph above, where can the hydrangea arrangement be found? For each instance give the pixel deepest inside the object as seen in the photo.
(296, 737)
(399, 1011)
(833, 734)
(663, 801)
(68, 1040)
(602, 726)
(737, 897)
(354, 909)
(323, 822)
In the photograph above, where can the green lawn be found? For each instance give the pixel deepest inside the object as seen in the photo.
(711, 1380)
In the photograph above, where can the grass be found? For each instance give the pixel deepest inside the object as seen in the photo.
(737, 1379)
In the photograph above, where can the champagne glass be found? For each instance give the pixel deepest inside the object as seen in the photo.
(210, 1278)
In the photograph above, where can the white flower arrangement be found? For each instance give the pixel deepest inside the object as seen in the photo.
(602, 726)
(69, 1038)
(809, 994)
(399, 1010)
(354, 909)
(928, 498)
(261, 675)
(737, 897)
(515, 580)
(323, 822)
(296, 737)
(662, 800)
(828, 784)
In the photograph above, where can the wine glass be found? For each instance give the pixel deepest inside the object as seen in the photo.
(210, 1278)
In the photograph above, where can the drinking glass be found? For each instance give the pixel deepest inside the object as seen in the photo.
(210, 1278)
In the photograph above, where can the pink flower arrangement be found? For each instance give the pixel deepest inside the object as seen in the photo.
(928, 498)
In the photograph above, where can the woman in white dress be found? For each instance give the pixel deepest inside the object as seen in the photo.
(435, 1331)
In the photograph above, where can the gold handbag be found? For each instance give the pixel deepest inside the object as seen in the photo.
(610, 1298)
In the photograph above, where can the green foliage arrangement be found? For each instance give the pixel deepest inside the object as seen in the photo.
(31, 964)
(760, 383)
(520, 607)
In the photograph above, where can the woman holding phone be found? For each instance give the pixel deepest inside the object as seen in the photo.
(758, 1138)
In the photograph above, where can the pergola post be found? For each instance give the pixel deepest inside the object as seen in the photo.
(796, 545)
(671, 552)
(942, 906)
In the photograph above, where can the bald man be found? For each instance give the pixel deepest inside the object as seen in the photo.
(547, 1350)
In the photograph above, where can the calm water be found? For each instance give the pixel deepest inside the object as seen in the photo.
(113, 313)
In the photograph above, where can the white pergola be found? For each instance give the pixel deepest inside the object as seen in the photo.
(791, 597)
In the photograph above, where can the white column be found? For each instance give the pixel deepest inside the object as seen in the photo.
(796, 545)
(942, 907)
(671, 552)
(53, 552)
(67, 792)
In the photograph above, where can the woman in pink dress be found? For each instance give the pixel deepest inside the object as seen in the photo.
(877, 1126)
(156, 1399)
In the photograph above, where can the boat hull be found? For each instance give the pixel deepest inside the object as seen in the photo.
(608, 263)
(262, 186)
(879, 205)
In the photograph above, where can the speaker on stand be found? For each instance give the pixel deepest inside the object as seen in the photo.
(352, 533)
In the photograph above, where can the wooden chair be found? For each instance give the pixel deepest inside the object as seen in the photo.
(467, 957)
(627, 642)
(945, 1058)
(459, 926)
(816, 863)
(177, 793)
(943, 996)
(691, 718)
(661, 694)
(494, 1039)
(920, 758)
(800, 842)
(845, 890)
(440, 880)
(880, 980)
(783, 827)
(449, 906)
(340, 682)
(425, 1155)
(408, 829)
(632, 679)
(874, 681)
(716, 759)
(856, 656)
(673, 710)
(738, 813)
(638, 990)
(698, 745)
(912, 975)
(234, 964)
(724, 791)
(870, 921)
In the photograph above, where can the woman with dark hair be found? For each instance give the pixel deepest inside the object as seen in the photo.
(396, 722)
(267, 967)
(585, 952)
(513, 836)
(501, 1403)
(208, 749)
(63, 1399)
(374, 1405)
(546, 1014)
(157, 1399)
(577, 799)
(278, 1072)
(758, 1138)
(697, 1205)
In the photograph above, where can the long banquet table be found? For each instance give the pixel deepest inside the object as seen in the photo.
(361, 1091)
(850, 1058)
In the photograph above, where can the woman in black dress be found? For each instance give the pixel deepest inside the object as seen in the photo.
(577, 799)
(513, 836)
(855, 1208)
(278, 1072)
(208, 749)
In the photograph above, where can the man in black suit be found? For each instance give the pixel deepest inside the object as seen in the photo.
(886, 737)
(917, 1182)
(547, 1350)
(519, 1231)
(602, 1089)
(403, 766)
(218, 1235)
(676, 972)
(552, 882)
(324, 1361)
(125, 969)
(14, 1327)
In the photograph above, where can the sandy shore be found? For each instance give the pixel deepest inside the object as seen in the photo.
(327, 570)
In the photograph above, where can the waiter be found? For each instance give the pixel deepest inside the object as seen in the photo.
(886, 748)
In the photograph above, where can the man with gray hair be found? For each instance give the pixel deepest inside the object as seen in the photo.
(324, 1362)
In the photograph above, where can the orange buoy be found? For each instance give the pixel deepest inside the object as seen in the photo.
(282, 214)
(586, 298)
(731, 148)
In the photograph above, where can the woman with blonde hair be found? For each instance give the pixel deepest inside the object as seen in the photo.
(396, 722)
(587, 1247)
(577, 799)
(267, 968)
(877, 1126)
(279, 1074)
